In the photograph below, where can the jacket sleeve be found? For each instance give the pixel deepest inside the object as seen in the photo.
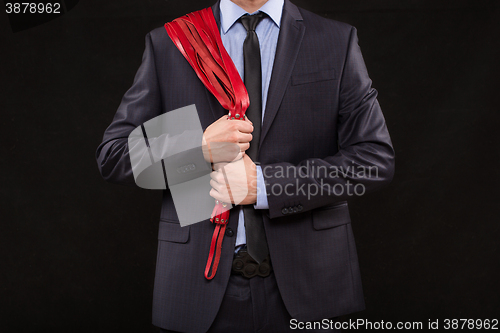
(140, 103)
(363, 163)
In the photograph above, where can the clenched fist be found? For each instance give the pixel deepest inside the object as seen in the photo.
(235, 182)
(226, 140)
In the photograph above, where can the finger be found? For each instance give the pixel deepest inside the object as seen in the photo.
(244, 146)
(219, 177)
(244, 126)
(214, 194)
(239, 156)
(213, 175)
(218, 196)
(216, 186)
(244, 137)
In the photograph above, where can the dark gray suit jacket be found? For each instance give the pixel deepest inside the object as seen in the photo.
(321, 111)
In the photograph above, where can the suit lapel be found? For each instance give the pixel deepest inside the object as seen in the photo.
(289, 41)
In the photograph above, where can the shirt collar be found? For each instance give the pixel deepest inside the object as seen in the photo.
(231, 12)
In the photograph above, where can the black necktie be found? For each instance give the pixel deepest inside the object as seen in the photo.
(254, 226)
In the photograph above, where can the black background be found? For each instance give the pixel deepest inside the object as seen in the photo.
(77, 254)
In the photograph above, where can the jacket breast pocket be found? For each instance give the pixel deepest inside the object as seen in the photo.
(171, 231)
(331, 216)
(324, 75)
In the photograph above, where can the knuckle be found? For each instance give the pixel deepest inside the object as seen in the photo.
(233, 137)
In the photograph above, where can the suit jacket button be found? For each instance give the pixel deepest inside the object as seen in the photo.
(229, 232)
(284, 211)
(299, 208)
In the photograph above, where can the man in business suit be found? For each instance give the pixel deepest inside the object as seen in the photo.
(321, 130)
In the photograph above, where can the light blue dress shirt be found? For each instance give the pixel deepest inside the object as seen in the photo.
(233, 35)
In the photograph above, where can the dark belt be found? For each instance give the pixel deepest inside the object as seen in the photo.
(245, 265)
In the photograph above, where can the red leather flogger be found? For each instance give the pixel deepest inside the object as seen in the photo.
(197, 37)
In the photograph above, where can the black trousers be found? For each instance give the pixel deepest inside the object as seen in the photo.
(255, 305)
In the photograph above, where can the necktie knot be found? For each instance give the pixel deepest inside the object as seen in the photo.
(250, 22)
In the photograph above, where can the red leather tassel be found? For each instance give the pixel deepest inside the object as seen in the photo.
(220, 216)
